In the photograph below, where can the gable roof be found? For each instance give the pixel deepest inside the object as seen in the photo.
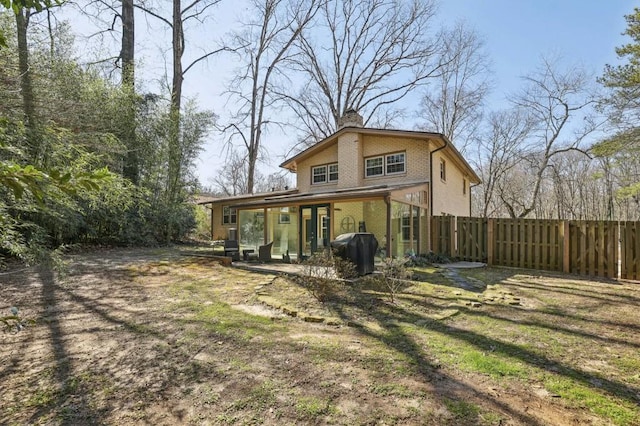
(444, 143)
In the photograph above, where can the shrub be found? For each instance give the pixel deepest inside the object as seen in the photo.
(320, 274)
(392, 276)
(428, 259)
(344, 268)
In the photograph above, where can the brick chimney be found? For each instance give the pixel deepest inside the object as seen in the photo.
(351, 118)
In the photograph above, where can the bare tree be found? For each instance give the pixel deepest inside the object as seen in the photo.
(500, 151)
(620, 162)
(454, 99)
(232, 179)
(195, 10)
(263, 45)
(555, 99)
(277, 181)
(362, 55)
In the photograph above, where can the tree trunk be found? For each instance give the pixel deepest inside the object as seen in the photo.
(174, 160)
(26, 85)
(131, 168)
(176, 101)
(178, 50)
(128, 46)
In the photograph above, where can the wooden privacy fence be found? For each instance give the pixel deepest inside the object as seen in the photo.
(443, 231)
(527, 243)
(594, 248)
(630, 250)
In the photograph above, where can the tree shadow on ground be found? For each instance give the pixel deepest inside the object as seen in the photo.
(393, 335)
(360, 302)
(66, 388)
(69, 404)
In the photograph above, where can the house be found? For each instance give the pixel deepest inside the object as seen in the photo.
(387, 182)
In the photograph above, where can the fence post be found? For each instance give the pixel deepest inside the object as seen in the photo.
(566, 253)
(452, 235)
(490, 240)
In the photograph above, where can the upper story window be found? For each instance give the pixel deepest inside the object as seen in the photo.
(464, 186)
(443, 169)
(326, 173)
(389, 164)
(229, 216)
(333, 172)
(374, 167)
(395, 163)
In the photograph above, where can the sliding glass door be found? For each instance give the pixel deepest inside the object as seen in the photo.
(314, 229)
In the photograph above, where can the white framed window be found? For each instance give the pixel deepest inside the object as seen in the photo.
(395, 163)
(410, 223)
(229, 216)
(443, 170)
(406, 227)
(319, 174)
(324, 174)
(333, 172)
(389, 164)
(324, 227)
(374, 166)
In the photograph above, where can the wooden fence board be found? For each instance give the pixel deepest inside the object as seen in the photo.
(522, 243)
(508, 246)
(526, 243)
(630, 247)
(592, 248)
(441, 238)
(566, 246)
(472, 239)
(534, 257)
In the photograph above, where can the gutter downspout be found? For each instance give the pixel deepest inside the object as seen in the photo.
(212, 222)
(431, 187)
(431, 173)
(387, 200)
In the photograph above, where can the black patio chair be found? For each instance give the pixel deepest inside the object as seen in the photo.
(264, 252)
(232, 249)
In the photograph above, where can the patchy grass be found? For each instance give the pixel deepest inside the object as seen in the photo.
(463, 411)
(618, 411)
(312, 408)
(134, 336)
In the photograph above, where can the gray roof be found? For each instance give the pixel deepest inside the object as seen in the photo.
(316, 197)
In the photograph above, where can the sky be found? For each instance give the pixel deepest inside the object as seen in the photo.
(516, 34)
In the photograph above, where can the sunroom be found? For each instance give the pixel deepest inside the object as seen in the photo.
(299, 225)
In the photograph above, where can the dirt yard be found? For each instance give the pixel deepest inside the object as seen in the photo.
(157, 337)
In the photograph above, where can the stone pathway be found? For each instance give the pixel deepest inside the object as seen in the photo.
(450, 270)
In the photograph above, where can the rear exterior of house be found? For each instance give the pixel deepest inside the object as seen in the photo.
(386, 182)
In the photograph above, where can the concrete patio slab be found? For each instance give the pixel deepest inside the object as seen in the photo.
(461, 265)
